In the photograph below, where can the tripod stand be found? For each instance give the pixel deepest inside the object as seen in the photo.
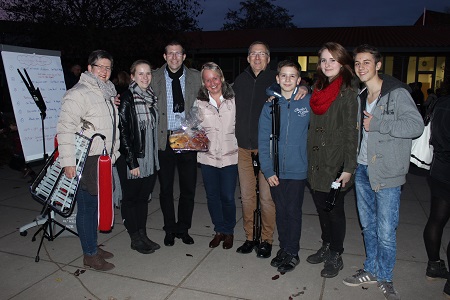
(48, 228)
(257, 211)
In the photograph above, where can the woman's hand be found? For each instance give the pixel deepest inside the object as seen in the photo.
(344, 178)
(273, 180)
(117, 100)
(135, 172)
(70, 172)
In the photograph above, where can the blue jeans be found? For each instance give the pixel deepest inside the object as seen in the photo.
(378, 213)
(220, 185)
(288, 197)
(87, 221)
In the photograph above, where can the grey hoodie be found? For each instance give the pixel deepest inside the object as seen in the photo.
(396, 121)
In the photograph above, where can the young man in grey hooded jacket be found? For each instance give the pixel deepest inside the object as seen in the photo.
(388, 121)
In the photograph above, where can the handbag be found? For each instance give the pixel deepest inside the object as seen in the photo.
(89, 178)
(422, 150)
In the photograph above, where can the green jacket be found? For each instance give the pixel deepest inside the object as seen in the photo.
(333, 140)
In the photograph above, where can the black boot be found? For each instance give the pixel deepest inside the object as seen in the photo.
(436, 270)
(138, 244)
(333, 265)
(321, 255)
(143, 233)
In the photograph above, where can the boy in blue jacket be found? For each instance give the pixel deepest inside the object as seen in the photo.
(287, 188)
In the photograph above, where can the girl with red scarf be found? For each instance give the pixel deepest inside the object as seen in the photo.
(332, 145)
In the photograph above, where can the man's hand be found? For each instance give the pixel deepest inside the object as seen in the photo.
(366, 122)
(344, 178)
(70, 172)
(273, 180)
(302, 92)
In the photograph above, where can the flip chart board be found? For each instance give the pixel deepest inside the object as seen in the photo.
(45, 71)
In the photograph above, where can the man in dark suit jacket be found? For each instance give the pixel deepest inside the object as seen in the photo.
(176, 87)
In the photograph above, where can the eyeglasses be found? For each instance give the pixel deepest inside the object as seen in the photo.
(261, 54)
(103, 68)
(177, 54)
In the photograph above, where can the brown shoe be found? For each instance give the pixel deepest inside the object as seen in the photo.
(228, 241)
(97, 262)
(216, 240)
(104, 254)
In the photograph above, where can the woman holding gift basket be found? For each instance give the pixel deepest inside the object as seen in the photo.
(217, 114)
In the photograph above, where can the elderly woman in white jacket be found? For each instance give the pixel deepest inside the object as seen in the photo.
(90, 100)
(217, 112)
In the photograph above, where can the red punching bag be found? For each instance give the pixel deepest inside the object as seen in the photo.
(105, 193)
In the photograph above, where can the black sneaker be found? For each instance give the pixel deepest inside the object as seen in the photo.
(436, 270)
(277, 260)
(321, 255)
(289, 263)
(333, 265)
(264, 250)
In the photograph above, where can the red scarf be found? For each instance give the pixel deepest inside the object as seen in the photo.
(322, 99)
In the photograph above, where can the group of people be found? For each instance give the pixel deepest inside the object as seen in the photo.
(355, 128)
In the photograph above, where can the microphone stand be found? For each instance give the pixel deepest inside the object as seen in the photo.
(40, 103)
(275, 136)
(46, 218)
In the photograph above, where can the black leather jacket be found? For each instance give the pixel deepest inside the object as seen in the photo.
(132, 139)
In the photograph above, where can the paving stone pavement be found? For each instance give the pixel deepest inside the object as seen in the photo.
(196, 271)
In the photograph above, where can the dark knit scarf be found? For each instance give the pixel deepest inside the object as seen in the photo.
(145, 106)
(322, 99)
(144, 103)
(177, 93)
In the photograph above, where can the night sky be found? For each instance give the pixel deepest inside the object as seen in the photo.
(332, 13)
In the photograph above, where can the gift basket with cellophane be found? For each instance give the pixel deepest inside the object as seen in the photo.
(190, 137)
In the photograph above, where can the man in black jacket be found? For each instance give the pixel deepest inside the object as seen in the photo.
(250, 89)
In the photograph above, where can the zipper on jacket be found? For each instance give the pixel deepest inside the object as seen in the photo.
(287, 130)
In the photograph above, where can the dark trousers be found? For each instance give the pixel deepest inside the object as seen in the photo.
(288, 197)
(135, 194)
(332, 223)
(186, 163)
(439, 216)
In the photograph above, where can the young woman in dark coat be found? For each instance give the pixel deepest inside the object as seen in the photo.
(332, 144)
